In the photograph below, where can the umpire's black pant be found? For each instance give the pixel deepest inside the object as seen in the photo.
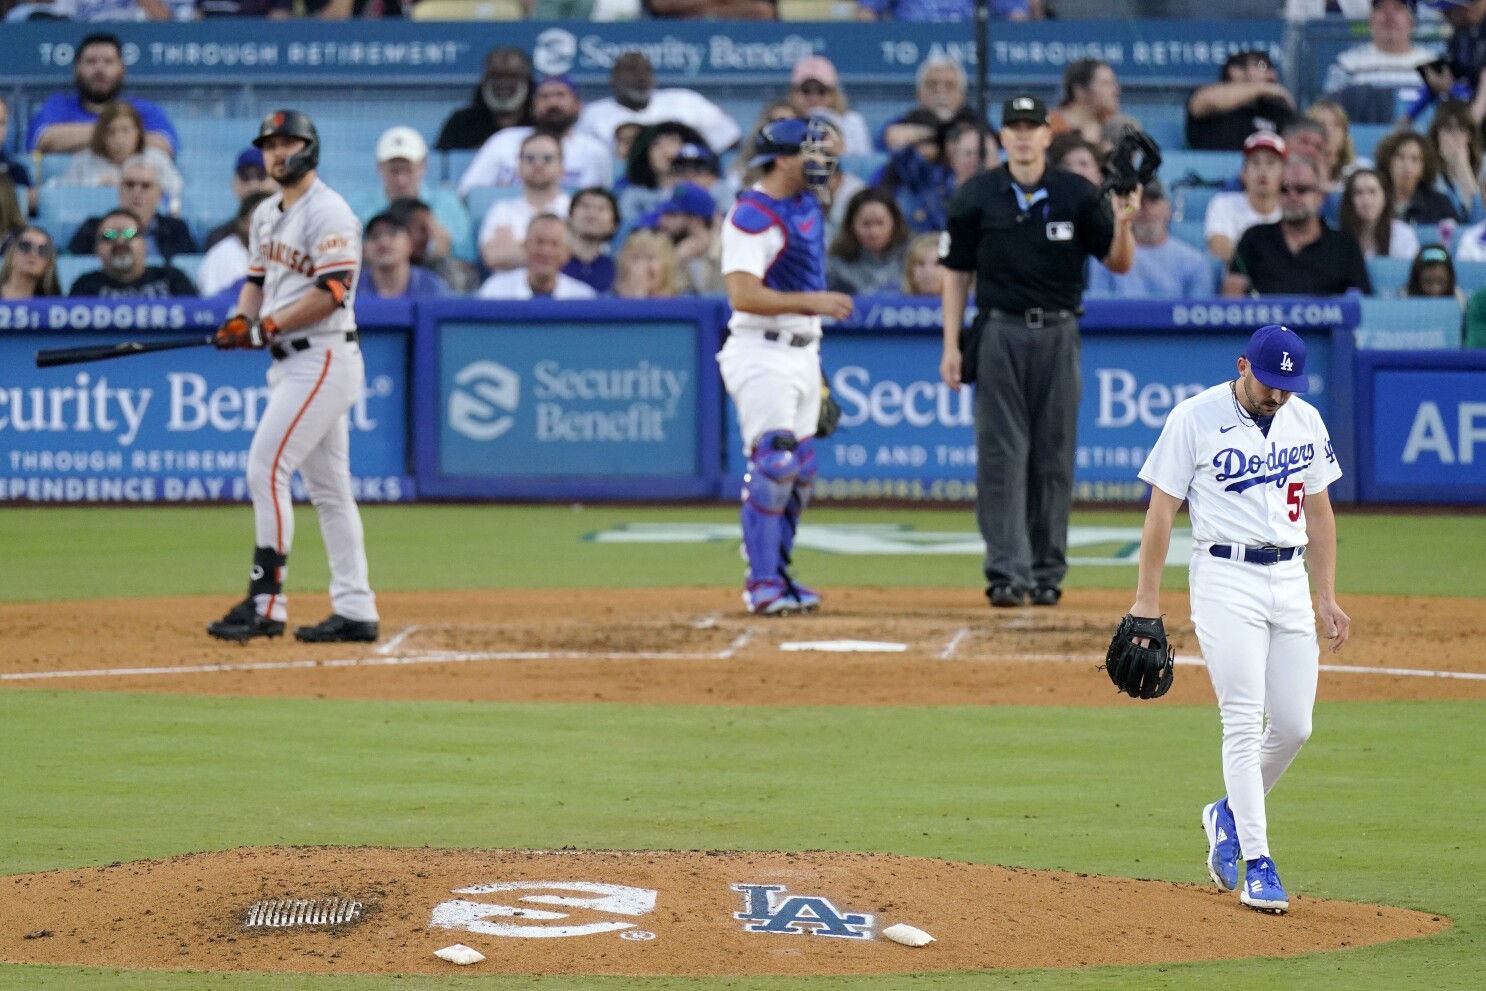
(1026, 425)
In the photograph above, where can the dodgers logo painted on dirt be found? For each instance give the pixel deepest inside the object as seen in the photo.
(768, 908)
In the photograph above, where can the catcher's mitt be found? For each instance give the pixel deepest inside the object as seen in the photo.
(830, 411)
(1132, 163)
(1141, 672)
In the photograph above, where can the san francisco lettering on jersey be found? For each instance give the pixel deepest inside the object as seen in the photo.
(284, 254)
(1282, 462)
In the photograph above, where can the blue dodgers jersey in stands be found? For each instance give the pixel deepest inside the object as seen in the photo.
(801, 266)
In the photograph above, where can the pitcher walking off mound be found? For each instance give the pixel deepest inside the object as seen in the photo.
(1253, 463)
(304, 255)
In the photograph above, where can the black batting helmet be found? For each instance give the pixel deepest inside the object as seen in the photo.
(292, 124)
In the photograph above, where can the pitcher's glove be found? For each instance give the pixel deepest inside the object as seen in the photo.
(1141, 672)
(237, 331)
(830, 411)
(1132, 163)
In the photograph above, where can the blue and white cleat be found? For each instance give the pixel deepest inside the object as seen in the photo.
(771, 597)
(1262, 889)
(808, 598)
(1222, 844)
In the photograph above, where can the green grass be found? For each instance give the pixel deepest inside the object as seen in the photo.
(93, 778)
(88, 553)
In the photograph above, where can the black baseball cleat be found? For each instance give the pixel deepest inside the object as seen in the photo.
(338, 629)
(243, 622)
(1006, 596)
(1046, 595)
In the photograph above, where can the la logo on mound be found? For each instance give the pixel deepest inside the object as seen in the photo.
(769, 908)
(483, 392)
(606, 899)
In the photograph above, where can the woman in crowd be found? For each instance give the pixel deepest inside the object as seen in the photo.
(1457, 142)
(815, 88)
(866, 256)
(648, 179)
(1367, 215)
(646, 267)
(119, 134)
(1340, 151)
(922, 273)
(1072, 153)
(1091, 96)
(1433, 275)
(29, 268)
(1408, 161)
(12, 214)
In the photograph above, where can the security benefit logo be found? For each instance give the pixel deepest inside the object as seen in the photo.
(770, 908)
(591, 907)
(485, 395)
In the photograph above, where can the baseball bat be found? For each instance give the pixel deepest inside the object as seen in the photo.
(100, 352)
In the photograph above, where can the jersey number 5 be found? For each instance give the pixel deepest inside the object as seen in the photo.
(1295, 499)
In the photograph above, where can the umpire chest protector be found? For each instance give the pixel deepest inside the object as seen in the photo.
(1028, 247)
(801, 265)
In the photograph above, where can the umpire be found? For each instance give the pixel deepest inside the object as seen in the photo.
(1026, 230)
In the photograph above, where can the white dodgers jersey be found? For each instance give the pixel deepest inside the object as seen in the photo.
(293, 249)
(1241, 486)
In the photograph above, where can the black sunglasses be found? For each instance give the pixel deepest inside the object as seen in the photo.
(38, 248)
(1287, 189)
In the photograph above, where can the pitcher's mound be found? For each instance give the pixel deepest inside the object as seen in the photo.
(383, 911)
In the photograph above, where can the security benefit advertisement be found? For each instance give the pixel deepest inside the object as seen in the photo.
(1428, 434)
(566, 409)
(172, 426)
(905, 435)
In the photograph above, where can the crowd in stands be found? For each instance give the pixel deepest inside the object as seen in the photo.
(624, 195)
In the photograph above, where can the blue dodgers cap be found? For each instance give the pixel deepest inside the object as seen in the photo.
(562, 80)
(1277, 356)
(691, 199)
(251, 158)
(778, 137)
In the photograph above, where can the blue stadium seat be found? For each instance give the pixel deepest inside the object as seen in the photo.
(1190, 231)
(1190, 202)
(60, 210)
(1409, 323)
(69, 267)
(51, 167)
(453, 165)
(1470, 276)
(1169, 134)
(1214, 166)
(1365, 137)
(864, 166)
(1389, 275)
(189, 264)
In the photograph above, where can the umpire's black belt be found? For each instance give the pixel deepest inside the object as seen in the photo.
(1036, 318)
(281, 351)
(793, 340)
(1269, 554)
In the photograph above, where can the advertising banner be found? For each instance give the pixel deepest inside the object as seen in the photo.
(905, 435)
(1423, 426)
(568, 400)
(1152, 52)
(172, 426)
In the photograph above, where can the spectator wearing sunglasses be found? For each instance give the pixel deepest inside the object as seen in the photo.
(1248, 97)
(503, 231)
(29, 268)
(140, 192)
(1300, 255)
(120, 246)
(815, 88)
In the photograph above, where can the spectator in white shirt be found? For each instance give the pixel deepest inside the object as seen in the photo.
(635, 99)
(226, 262)
(1366, 79)
(587, 161)
(503, 230)
(1230, 214)
(546, 254)
(815, 88)
(402, 162)
(1367, 215)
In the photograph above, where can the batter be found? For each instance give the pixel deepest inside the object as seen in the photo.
(1253, 463)
(773, 261)
(304, 255)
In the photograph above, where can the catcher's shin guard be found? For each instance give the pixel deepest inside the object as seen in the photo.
(767, 490)
(799, 498)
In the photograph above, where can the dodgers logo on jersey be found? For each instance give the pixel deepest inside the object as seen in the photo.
(769, 909)
(1249, 470)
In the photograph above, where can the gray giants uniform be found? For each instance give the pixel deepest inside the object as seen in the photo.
(317, 375)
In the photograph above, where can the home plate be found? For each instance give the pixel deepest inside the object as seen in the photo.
(847, 646)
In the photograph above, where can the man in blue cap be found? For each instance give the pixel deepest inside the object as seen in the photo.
(1253, 461)
(773, 262)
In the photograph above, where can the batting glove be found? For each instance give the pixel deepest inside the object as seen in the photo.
(238, 332)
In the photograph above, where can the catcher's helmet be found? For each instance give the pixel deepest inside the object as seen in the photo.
(797, 136)
(292, 124)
